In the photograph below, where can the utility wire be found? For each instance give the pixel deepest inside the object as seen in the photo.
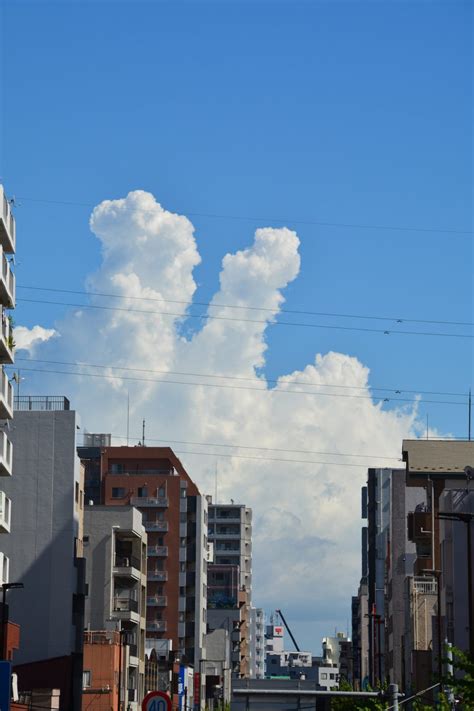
(251, 218)
(419, 693)
(386, 332)
(397, 391)
(235, 387)
(272, 449)
(300, 312)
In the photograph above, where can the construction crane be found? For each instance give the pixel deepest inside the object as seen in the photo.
(289, 631)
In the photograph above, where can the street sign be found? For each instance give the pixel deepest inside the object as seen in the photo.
(156, 701)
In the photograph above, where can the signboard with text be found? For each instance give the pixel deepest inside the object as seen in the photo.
(156, 701)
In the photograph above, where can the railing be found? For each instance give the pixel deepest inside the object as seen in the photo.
(156, 625)
(426, 586)
(157, 601)
(102, 637)
(156, 525)
(9, 222)
(8, 279)
(149, 501)
(125, 604)
(6, 454)
(41, 402)
(5, 511)
(157, 550)
(7, 339)
(142, 472)
(7, 391)
(159, 575)
(131, 561)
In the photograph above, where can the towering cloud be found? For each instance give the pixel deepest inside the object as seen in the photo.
(306, 513)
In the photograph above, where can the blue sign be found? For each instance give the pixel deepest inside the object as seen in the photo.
(5, 685)
(181, 687)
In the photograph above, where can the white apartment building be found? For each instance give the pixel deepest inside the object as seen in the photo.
(7, 301)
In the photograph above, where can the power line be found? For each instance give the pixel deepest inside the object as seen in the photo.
(247, 456)
(397, 391)
(233, 387)
(385, 332)
(252, 218)
(300, 312)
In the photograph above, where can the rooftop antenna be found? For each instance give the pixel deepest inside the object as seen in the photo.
(469, 417)
(427, 425)
(143, 433)
(215, 482)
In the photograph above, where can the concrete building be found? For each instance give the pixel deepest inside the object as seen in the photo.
(45, 546)
(230, 532)
(153, 480)
(257, 643)
(115, 549)
(7, 301)
(89, 454)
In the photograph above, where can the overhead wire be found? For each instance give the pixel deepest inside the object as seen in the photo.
(396, 319)
(252, 218)
(233, 387)
(397, 391)
(148, 312)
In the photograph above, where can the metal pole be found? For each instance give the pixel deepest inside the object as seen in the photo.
(440, 649)
(120, 673)
(393, 692)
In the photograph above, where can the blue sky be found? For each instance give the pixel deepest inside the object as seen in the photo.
(346, 112)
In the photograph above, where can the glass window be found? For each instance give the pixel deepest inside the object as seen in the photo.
(118, 492)
(116, 468)
(142, 491)
(324, 675)
(161, 491)
(86, 679)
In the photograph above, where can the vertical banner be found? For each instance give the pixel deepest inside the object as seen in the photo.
(181, 687)
(197, 691)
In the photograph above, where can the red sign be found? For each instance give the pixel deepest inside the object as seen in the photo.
(197, 690)
(156, 701)
(278, 630)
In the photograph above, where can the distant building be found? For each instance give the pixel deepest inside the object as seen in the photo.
(45, 547)
(116, 553)
(230, 532)
(89, 454)
(257, 643)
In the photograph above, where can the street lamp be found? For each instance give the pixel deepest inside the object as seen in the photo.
(465, 518)
(5, 587)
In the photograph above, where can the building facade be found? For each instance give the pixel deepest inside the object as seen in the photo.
(115, 549)
(45, 545)
(7, 302)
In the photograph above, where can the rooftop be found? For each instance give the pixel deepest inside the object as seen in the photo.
(438, 456)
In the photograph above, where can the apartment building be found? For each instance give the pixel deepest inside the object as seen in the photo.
(230, 533)
(257, 643)
(154, 480)
(115, 549)
(90, 453)
(7, 302)
(45, 547)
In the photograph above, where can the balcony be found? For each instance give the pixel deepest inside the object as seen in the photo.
(125, 604)
(7, 225)
(160, 576)
(156, 625)
(419, 526)
(156, 525)
(160, 551)
(4, 568)
(156, 501)
(6, 455)
(7, 282)
(157, 601)
(6, 341)
(127, 566)
(6, 397)
(5, 513)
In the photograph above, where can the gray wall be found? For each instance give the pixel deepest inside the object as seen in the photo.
(43, 531)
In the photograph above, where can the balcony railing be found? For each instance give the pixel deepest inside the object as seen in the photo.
(157, 551)
(156, 625)
(122, 561)
(158, 501)
(158, 575)
(7, 282)
(6, 397)
(7, 224)
(6, 455)
(125, 604)
(6, 340)
(42, 403)
(157, 601)
(156, 525)
(4, 568)
(425, 586)
(5, 513)
(133, 650)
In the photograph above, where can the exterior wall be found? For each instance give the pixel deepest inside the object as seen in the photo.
(101, 666)
(200, 563)
(154, 480)
(45, 534)
(257, 638)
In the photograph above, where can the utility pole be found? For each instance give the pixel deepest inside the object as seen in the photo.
(393, 694)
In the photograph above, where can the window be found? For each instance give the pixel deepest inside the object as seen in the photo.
(324, 675)
(85, 539)
(332, 676)
(160, 541)
(116, 468)
(118, 492)
(86, 679)
(142, 491)
(160, 516)
(161, 491)
(77, 492)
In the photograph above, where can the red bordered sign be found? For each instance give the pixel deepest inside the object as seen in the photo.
(156, 701)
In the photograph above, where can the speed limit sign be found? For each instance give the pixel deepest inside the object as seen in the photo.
(156, 701)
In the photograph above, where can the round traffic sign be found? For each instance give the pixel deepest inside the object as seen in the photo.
(156, 701)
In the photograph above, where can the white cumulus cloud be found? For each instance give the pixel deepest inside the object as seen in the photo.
(306, 512)
(28, 338)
